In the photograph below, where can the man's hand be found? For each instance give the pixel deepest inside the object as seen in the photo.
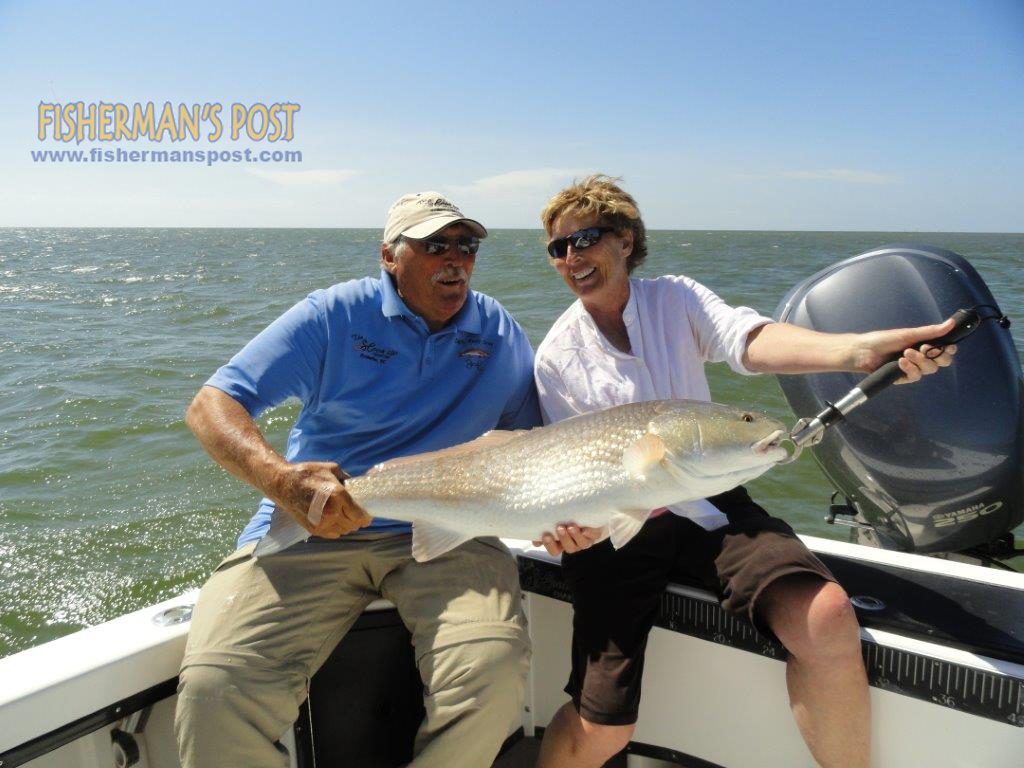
(334, 512)
(570, 538)
(874, 349)
(229, 434)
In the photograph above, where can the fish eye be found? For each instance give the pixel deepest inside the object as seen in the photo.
(748, 418)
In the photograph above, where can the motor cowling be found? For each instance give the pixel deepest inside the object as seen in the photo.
(933, 467)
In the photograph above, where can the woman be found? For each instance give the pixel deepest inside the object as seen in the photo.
(627, 340)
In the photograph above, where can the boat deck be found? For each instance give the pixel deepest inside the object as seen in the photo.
(522, 755)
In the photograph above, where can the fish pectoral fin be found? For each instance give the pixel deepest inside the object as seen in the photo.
(639, 458)
(486, 440)
(625, 524)
(429, 541)
(284, 531)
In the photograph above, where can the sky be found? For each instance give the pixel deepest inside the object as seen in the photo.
(823, 115)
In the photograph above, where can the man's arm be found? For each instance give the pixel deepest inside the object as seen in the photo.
(785, 348)
(228, 433)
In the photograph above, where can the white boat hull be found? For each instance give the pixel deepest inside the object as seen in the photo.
(714, 695)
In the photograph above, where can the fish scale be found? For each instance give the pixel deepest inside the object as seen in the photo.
(607, 468)
(586, 455)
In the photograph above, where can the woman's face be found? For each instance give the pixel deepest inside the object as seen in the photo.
(597, 274)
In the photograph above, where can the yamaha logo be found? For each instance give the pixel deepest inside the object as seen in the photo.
(945, 519)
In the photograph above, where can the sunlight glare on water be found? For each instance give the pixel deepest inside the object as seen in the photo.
(108, 504)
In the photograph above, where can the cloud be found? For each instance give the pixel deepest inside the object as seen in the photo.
(517, 182)
(845, 175)
(303, 178)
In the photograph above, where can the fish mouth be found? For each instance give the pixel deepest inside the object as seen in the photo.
(771, 441)
(772, 445)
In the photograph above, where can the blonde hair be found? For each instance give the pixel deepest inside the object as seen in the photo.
(600, 196)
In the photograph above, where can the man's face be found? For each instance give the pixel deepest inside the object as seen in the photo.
(596, 274)
(433, 286)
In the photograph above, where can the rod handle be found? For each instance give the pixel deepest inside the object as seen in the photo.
(967, 321)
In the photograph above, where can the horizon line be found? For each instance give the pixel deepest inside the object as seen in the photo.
(532, 229)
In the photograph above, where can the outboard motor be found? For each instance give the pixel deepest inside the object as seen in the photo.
(933, 467)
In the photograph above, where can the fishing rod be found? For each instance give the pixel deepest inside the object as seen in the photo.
(809, 431)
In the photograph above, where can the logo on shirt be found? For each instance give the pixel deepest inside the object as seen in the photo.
(474, 350)
(474, 357)
(370, 350)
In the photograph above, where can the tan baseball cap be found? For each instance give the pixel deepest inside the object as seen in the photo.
(421, 214)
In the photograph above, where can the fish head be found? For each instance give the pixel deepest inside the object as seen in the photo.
(717, 444)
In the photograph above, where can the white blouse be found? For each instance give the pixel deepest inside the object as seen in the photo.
(675, 325)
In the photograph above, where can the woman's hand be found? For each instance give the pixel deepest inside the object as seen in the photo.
(570, 538)
(873, 349)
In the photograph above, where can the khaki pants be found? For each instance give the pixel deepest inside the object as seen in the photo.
(261, 628)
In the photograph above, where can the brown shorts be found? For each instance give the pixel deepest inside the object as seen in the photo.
(617, 593)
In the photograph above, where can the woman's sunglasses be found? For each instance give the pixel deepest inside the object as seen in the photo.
(438, 246)
(580, 239)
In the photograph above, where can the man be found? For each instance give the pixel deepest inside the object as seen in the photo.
(628, 340)
(411, 362)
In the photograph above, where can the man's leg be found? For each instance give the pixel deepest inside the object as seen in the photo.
(828, 688)
(227, 715)
(259, 631)
(472, 649)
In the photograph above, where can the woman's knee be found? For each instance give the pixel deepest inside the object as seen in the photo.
(815, 620)
(833, 622)
(604, 741)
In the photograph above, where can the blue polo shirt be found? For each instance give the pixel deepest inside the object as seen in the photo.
(375, 383)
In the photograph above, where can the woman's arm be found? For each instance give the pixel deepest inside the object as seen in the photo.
(785, 348)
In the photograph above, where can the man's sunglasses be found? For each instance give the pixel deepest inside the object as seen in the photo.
(580, 239)
(438, 246)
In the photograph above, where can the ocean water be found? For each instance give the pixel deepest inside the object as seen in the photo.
(108, 504)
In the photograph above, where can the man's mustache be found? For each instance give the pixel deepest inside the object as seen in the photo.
(447, 275)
